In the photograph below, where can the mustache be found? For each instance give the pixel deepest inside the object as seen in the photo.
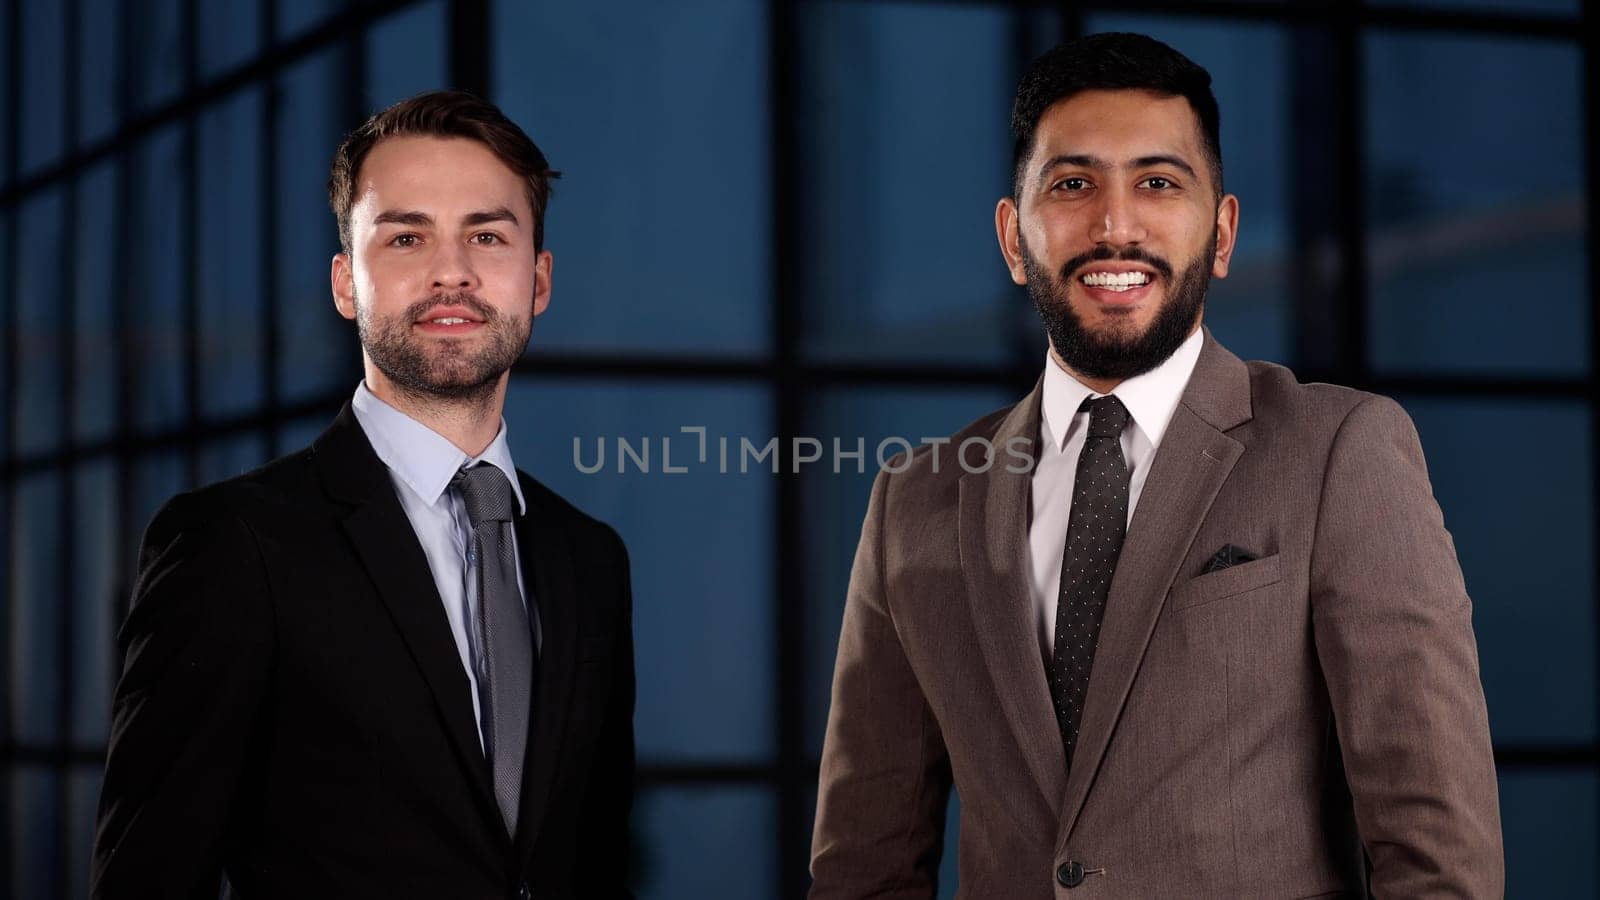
(1128, 254)
(471, 301)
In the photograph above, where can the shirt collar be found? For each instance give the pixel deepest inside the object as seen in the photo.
(1150, 398)
(419, 456)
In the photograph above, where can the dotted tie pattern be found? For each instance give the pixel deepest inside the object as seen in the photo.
(505, 667)
(1095, 529)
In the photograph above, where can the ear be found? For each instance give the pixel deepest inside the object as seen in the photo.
(542, 266)
(1227, 235)
(1006, 223)
(343, 277)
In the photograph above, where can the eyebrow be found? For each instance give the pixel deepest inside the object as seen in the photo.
(416, 219)
(1100, 165)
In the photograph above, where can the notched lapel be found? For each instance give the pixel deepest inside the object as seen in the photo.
(548, 569)
(993, 540)
(1188, 470)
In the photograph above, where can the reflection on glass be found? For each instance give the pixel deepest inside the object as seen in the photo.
(1475, 184)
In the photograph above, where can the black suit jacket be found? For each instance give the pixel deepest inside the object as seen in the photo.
(293, 711)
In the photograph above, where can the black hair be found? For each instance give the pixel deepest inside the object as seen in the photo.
(1112, 61)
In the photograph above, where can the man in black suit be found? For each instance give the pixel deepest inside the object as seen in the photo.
(390, 664)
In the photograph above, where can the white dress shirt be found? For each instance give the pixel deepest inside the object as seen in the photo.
(1150, 399)
(421, 464)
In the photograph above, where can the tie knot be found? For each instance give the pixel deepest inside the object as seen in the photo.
(1107, 416)
(486, 492)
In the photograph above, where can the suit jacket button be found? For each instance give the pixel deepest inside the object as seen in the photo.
(1070, 874)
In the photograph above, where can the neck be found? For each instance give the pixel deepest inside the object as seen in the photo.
(470, 422)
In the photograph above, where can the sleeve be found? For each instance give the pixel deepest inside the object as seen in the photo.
(196, 649)
(885, 778)
(604, 840)
(1393, 630)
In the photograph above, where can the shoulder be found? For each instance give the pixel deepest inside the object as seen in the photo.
(233, 508)
(1282, 403)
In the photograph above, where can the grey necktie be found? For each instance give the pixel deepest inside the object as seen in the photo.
(1095, 529)
(505, 640)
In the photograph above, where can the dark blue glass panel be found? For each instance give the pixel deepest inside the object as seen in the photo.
(99, 584)
(317, 350)
(832, 506)
(1475, 183)
(231, 250)
(1515, 7)
(157, 34)
(5, 101)
(36, 843)
(700, 542)
(1549, 824)
(1535, 623)
(658, 120)
(706, 842)
(155, 293)
(43, 58)
(100, 37)
(84, 787)
(301, 432)
(156, 479)
(228, 457)
(35, 610)
(230, 34)
(903, 153)
(1251, 310)
(296, 16)
(94, 335)
(948, 864)
(406, 55)
(41, 325)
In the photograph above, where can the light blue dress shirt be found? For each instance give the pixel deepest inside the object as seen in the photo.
(421, 464)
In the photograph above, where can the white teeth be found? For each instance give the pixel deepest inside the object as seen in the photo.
(450, 321)
(1120, 281)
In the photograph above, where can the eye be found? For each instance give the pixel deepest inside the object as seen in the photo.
(1073, 184)
(487, 238)
(1159, 183)
(404, 240)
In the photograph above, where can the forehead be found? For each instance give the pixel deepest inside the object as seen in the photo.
(437, 175)
(1119, 125)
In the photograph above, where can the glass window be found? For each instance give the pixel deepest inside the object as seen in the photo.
(99, 586)
(157, 32)
(904, 150)
(657, 117)
(1513, 7)
(5, 101)
(1250, 311)
(155, 291)
(35, 846)
(832, 505)
(296, 16)
(231, 456)
(1535, 624)
(230, 34)
(156, 478)
(700, 543)
(40, 321)
(84, 788)
(100, 38)
(96, 297)
(705, 842)
(317, 350)
(1548, 822)
(36, 610)
(1475, 205)
(230, 255)
(43, 50)
(405, 55)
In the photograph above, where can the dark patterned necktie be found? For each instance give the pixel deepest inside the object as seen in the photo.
(1095, 530)
(505, 658)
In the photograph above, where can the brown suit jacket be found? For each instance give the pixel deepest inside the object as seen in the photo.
(1247, 732)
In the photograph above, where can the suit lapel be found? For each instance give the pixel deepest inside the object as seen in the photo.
(1194, 459)
(384, 540)
(548, 573)
(993, 540)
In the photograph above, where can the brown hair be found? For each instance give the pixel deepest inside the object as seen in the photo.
(442, 114)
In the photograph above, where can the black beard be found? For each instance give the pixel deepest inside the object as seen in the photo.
(1116, 355)
(429, 369)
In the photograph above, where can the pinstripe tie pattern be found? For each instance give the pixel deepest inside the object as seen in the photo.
(1095, 530)
(505, 663)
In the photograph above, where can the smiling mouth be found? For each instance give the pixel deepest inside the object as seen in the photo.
(1121, 282)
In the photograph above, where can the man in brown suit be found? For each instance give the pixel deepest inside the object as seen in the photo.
(1175, 625)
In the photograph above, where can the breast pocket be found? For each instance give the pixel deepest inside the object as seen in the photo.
(1229, 582)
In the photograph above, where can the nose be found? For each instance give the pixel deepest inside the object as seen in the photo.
(1116, 221)
(452, 268)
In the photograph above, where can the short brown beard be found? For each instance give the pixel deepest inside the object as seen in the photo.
(450, 372)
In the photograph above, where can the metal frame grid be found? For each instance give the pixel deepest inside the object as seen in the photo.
(1331, 326)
